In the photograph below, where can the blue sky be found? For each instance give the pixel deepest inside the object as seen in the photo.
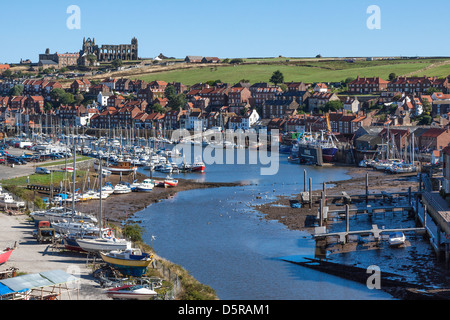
(246, 28)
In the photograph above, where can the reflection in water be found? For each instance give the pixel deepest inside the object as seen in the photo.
(217, 236)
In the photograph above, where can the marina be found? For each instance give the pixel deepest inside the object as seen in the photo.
(242, 219)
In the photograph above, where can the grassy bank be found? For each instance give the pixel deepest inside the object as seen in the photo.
(260, 70)
(62, 162)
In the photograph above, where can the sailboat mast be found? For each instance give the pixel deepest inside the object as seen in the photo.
(73, 174)
(100, 205)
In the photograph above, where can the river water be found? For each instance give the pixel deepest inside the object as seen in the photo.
(223, 242)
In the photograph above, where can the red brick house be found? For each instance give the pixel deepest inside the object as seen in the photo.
(81, 85)
(18, 102)
(34, 104)
(434, 139)
(115, 101)
(418, 84)
(367, 85)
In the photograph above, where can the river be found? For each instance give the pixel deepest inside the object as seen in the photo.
(223, 242)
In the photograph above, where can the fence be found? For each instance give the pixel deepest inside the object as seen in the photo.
(172, 277)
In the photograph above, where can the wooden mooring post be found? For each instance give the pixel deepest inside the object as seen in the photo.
(304, 180)
(367, 188)
(310, 193)
(347, 221)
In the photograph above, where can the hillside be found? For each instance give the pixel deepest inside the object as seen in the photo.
(313, 70)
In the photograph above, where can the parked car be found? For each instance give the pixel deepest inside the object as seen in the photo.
(41, 170)
(14, 161)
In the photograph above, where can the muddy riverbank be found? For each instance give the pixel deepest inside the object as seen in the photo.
(303, 218)
(119, 207)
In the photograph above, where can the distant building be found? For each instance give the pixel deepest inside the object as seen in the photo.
(58, 60)
(193, 59)
(108, 52)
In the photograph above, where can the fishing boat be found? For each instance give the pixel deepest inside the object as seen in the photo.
(326, 144)
(198, 166)
(132, 292)
(396, 239)
(5, 254)
(131, 262)
(146, 185)
(122, 167)
(170, 182)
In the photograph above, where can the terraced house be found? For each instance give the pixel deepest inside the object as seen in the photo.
(367, 85)
(418, 84)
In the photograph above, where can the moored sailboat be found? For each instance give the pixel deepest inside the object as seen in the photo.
(102, 243)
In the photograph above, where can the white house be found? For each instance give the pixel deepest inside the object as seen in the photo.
(352, 104)
(85, 118)
(102, 98)
(250, 118)
(245, 122)
(194, 121)
(321, 87)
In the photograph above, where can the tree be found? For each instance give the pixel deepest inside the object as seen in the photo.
(117, 63)
(7, 73)
(91, 58)
(425, 120)
(392, 76)
(277, 77)
(16, 91)
(61, 97)
(178, 102)
(348, 80)
(334, 105)
(170, 93)
(79, 98)
(236, 61)
(158, 108)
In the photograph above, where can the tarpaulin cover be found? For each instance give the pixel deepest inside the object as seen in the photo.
(33, 281)
(4, 290)
(29, 281)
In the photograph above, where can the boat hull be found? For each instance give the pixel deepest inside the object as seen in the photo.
(130, 267)
(4, 257)
(143, 189)
(170, 184)
(72, 245)
(328, 154)
(96, 245)
(125, 293)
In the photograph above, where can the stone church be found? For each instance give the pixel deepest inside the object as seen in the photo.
(108, 53)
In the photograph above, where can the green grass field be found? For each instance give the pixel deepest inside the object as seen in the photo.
(260, 70)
